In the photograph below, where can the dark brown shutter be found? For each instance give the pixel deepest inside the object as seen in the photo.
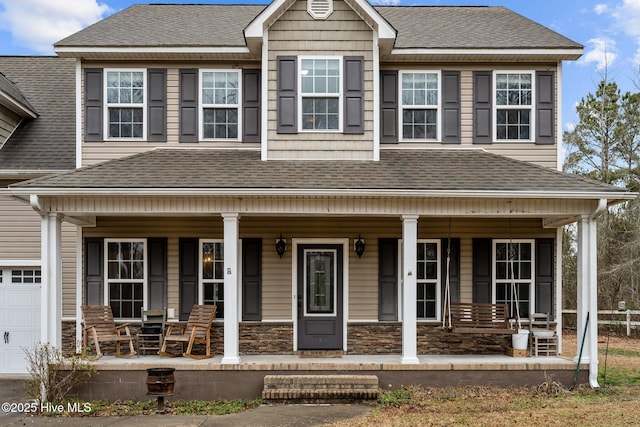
(188, 275)
(482, 276)
(251, 279)
(251, 123)
(93, 117)
(388, 279)
(544, 275)
(389, 107)
(188, 106)
(354, 94)
(94, 270)
(157, 268)
(454, 268)
(482, 107)
(287, 94)
(157, 105)
(451, 107)
(545, 114)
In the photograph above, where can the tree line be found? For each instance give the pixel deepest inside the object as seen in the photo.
(605, 146)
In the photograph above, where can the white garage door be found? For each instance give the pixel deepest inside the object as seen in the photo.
(19, 317)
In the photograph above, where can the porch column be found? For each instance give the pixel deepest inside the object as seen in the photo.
(51, 280)
(588, 296)
(409, 293)
(231, 289)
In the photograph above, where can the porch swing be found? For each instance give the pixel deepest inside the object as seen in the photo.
(479, 318)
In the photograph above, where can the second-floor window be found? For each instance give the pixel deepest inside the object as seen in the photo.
(320, 94)
(419, 105)
(220, 103)
(125, 104)
(514, 106)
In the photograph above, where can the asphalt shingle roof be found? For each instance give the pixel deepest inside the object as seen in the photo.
(14, 93)
(438, 169)
(48, 141)
(223, 25)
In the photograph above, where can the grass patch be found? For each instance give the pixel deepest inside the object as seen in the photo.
(621, 352)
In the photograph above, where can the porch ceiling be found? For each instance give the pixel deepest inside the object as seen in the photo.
(468, 173)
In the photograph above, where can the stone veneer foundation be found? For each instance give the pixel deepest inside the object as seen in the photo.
(363, 338)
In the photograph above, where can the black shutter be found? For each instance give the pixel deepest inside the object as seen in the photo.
(482, 270)
(451, 107)
(482, 107)
(287, 94)
(388, 279)
(157, 105)
(354, 94)
(389, 107)
(188, 105)
(454, 268)
(188, 275)
(251, 279)
(544, 275)
(94, 271)
(545, 114)
(157, 270)
(93, 105)
(251, 85)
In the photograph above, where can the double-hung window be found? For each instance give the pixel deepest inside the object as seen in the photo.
(211, 289)
(320, 94)
(420, 105)
(513, 279)
(220, 104)
(514, 100)
(126, 278)
(125, 104)
(428, 279)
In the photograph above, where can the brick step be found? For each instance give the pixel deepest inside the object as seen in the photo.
(320, 388)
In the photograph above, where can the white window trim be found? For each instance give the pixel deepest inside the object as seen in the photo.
(438, 106)
(438, 283)
(202, 106)
(201, 280)
(340, 95)
(532, 281)
(108, 105)
(145, 258)
(532, 108)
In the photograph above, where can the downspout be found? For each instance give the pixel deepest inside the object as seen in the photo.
(34, 201)
(592, 310)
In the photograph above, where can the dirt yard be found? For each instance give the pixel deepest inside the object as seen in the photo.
(616, 403)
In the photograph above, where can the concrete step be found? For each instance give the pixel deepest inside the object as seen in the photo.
(320, 388)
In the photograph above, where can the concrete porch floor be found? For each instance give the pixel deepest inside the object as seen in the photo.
(209, 379)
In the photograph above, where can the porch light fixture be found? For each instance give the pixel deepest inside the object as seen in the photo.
(358, 246)
(281, 246)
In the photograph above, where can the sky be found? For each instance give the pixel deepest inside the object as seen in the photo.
(608, 29)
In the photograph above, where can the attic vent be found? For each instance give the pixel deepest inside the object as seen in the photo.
(320, 9)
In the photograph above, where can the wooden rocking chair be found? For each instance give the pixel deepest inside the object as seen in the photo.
(196, 331)
(98, 321)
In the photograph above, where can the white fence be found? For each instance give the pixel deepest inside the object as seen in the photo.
(620, 317)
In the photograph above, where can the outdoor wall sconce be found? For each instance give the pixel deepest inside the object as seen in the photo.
(358, 246)
(281, 246)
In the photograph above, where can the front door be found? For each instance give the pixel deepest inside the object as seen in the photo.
(319, 297)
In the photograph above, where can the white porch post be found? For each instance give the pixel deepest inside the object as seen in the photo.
(51, 280)
(231, 289)
(588, 295)
(409, 262)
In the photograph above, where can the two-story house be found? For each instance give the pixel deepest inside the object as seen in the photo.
(328, 173)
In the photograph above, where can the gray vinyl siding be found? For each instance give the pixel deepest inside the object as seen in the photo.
(8, 122)
(277, 279)
(544, 155)
(342, 34)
